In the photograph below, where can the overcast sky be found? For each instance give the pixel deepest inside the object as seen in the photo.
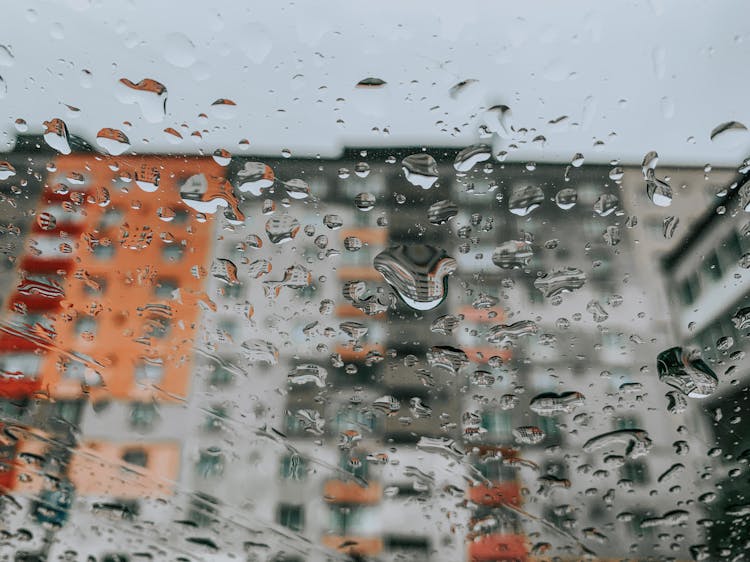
(636, 76)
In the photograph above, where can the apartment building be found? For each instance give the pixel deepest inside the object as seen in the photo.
(706, 275)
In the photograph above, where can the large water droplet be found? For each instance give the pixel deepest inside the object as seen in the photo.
(420, 170)
(471, 156)
(254, 177)
(114, 141)
(686, 372)
(524, 199)
(418, 272)
(551, 404)
(150, 95)
(729, 134)
(636, 442)
(560, 281)
(56, 135)
(441, 212)
(513, 254)
(282, 229)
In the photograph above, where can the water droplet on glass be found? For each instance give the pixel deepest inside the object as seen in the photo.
(471, 156)
(297, 188)
(577, 160)
(150, 95)
(513, 254)
(606, 204)
(669, 226)
(420, 170)
(441, 212)
(222, 156)
(528, 435)
(334, 222)
(524, 199)
(6, 170)
(445, 324)
(686, 372)
(634, 442)
(56, 135)
(560, 281)
(224, 109)
(566, 198)
(282, 229)
(658, 190)
(308, 373)
(114, 141)
(729, 134)
(418, 272)
(551, 404)
(371, 83)
(254, 177)
(364, 201)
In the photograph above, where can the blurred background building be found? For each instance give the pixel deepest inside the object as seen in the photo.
(239, 382)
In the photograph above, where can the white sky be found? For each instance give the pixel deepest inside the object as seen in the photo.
(638, 75)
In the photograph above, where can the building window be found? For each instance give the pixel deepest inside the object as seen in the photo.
(164, 288)
(498, 424)
(143, 415)
(293, 467)
(627, 422)
(732, 248)
(85, 325)
(291, 516)
(210, 463)
(687, 296)
(635, 471)
(220, 376)
(148, 372)
(102, 252)
(354, 463)
(215, 418)
(137, 456)
(172, 252)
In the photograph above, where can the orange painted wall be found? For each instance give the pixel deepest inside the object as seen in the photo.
(121, 311)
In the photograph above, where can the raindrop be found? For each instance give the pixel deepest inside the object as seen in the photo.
(636, 442)
(686, 372)
(441, 212)
(669, 226)
(418, 272)
(551, 404)
(471, 156)
(364, 201)
(150, 95)
(371, 83)
(114, 141)
(334, 222)
(730, 133)
(606, 204)
(524, 199)
(6, 170)
(420, 170)
(297, 188)
(513, 254)
(222, 157)
(566, 198)
(577, 160)
(254, 177)
(56, 135)
(224, 109)
(282, 229)
(560, 281)
(528, 435)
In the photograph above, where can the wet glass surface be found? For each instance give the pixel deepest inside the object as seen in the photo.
(389, 282)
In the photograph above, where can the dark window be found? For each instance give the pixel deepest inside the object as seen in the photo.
(291, 516)
(293, 467)
(136, 456)
(635, 471)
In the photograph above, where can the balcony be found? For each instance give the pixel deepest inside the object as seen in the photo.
(341, 492)
(360, 355)
(501, 493)
(498, 547)
(352, 545)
